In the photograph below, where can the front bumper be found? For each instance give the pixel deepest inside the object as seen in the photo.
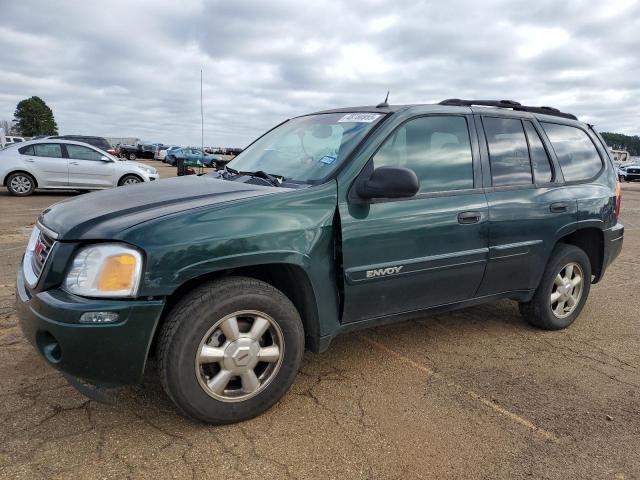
(102, 354)
(153, 176)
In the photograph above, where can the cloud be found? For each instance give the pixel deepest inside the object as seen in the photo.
(132, 68)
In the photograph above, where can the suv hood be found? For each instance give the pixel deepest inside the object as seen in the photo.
(104, 214)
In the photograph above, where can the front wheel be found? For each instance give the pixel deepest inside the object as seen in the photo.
(230, 350)
(563, 290)
(129, 180)
(132, 156)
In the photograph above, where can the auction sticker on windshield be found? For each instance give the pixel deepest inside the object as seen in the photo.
(360, 117)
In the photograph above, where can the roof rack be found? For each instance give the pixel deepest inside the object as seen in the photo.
(508, 104)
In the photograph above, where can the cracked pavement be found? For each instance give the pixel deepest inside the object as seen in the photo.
(475, 393)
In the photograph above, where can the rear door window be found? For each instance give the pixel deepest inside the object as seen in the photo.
(52, 150)
(542, 170)
(508, 152)
(577, 154)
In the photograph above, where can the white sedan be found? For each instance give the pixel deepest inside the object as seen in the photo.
(66, 164)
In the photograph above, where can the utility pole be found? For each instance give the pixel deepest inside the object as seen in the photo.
(201, 123)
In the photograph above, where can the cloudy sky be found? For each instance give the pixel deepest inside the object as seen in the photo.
(132, 68)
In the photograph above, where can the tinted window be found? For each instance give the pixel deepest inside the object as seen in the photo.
(47, 150)
(28, 150)
(578, 157)
(436, 148)
(508, 152)
(79, 152)
(17, 140)
(539, 159)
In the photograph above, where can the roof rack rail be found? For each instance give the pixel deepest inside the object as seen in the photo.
(508, 104)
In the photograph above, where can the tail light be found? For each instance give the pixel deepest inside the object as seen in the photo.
(618, 199)
(111, 151)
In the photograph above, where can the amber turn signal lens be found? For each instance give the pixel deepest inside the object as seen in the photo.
(117, 273)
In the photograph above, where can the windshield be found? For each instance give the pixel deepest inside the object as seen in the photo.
(306, 149)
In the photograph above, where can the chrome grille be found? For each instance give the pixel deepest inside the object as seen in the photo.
(41, 253)
(633, 170)
(38, 250)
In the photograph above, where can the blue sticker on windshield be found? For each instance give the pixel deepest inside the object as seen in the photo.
(327, 160)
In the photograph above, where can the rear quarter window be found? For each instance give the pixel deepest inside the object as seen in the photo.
(28, 150)
(577, 154)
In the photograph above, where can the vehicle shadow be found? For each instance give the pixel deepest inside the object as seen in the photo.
(462, 330)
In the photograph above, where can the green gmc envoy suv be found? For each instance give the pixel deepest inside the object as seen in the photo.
(327, 223)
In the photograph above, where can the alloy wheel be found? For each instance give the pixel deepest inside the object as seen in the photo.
(567, 290)
(239, 356)
(20, 184)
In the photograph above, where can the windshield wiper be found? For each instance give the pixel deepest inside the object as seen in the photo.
(275, 180)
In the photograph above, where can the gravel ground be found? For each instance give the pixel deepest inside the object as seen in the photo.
(472, 394)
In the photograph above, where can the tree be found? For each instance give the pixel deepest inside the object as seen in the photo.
(620, 141)
(34, 117)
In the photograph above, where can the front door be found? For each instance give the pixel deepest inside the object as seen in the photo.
(403, 255)
(87, 169)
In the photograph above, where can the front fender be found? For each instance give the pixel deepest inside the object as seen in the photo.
(291, 228)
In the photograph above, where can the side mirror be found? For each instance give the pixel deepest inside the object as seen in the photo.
(389, 182)
(105, 159)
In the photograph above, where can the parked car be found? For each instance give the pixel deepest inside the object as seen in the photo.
(139, 150)
(164, 154)
(330, 222)
(99, 142)
(629, 173)
(11, 139)
(65, 164)
(161, 152)
(194, 155)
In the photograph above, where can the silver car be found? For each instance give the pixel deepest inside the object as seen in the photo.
(66, 164)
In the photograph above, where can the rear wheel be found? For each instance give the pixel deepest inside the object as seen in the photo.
(230, 350)
(563, 290)
(21, 184)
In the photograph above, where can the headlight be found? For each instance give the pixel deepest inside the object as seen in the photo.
(149, 170)
(105, 270)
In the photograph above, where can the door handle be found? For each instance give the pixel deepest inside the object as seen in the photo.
(30, 160)
(558, 207)
(466, 218)
(74, 163)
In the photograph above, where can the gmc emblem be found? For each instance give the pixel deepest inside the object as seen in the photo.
(38, 249)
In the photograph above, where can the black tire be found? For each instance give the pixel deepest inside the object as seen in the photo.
(20, 184)
(129, 180)
(538, 312)
(190, 322)
(132, 156)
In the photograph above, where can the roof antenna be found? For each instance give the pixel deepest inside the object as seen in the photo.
(384, 104)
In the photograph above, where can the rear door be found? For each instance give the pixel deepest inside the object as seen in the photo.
(87, 169)
(402, 255)
(47, 161)
(529, 204)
